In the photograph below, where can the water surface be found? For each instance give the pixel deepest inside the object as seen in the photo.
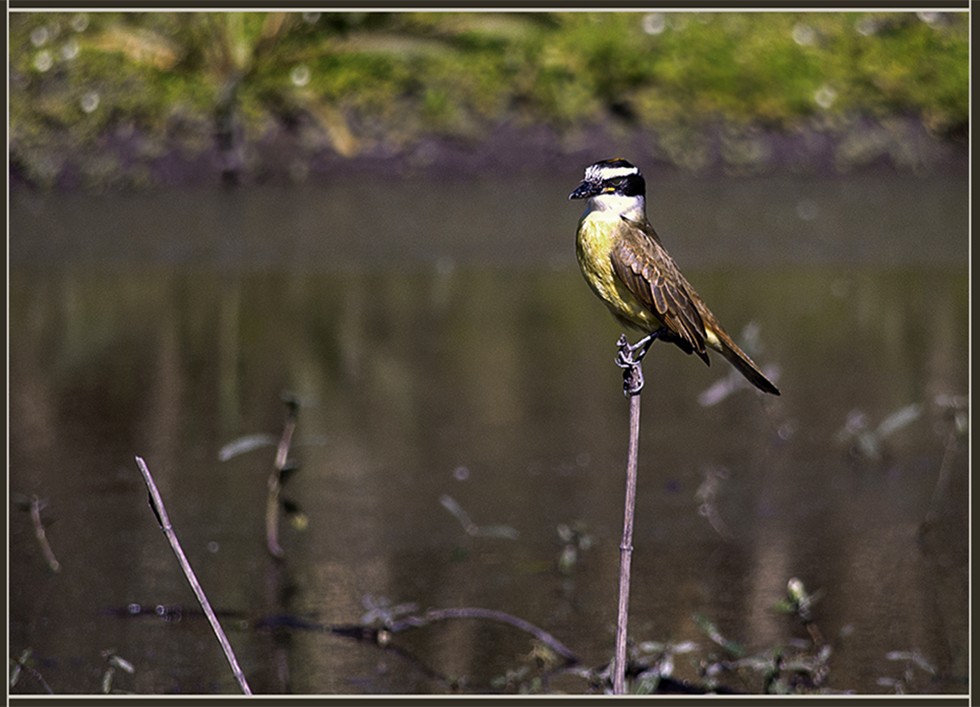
(443, 344)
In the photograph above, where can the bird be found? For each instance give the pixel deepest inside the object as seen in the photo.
(626, 265)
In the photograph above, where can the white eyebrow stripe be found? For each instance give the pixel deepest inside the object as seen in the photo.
(603, 173)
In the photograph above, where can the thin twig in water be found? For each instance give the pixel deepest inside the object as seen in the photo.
(942, 479)
(36, 505)
(273, 502)
(114, 662)
(490, 614)
(471, 528)
(632, 385)
(156, 503)
(22, 663)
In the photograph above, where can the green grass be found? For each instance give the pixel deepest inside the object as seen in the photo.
(391, 79)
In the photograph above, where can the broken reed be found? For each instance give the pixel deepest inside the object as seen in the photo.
(632, 385)
(156, 503)
(280, 470)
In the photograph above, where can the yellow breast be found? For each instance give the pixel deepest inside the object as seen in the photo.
(597, 236)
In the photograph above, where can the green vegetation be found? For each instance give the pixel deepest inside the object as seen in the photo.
(375, 83)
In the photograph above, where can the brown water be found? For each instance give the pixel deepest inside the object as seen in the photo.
(446, 346)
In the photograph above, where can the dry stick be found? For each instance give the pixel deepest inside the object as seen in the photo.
(275, 481)
(942, 480)
(42, 537)
(632, 385)
(21, 665)
(492, 615)
(164, 520)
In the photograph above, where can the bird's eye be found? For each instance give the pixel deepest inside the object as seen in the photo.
(617, 181)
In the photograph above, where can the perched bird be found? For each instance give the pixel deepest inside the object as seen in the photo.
(627, 266)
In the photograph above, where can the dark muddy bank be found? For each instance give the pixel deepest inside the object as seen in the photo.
(126, 159)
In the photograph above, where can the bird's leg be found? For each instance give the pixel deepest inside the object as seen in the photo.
(627, 354)
(643, 345)
(628, 358)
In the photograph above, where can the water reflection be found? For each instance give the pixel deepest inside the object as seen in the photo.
(409, 373)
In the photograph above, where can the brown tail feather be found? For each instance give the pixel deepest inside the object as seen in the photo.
(746, 366)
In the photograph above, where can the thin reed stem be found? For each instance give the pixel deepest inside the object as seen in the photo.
(42, 538)
(490, 614)
(632, 385)
(273, 500)
(164, 520)
(942, 481)
(626, 548)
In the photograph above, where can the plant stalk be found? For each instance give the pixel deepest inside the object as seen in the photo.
(626, 548)
(164, 520)
(632, 385)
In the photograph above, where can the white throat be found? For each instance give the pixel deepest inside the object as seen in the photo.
(612, 205)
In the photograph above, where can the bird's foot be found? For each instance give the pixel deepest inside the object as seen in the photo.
(628, 357)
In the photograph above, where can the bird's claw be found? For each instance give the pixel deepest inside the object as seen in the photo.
(626, 359)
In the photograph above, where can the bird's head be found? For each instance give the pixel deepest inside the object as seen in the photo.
(612, 184)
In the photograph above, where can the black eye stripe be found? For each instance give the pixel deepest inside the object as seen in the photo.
(627, 185)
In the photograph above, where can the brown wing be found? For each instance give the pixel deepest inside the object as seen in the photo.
(649, 272)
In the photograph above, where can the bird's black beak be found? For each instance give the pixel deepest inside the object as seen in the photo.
(585, 190)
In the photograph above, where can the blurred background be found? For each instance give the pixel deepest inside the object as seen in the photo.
(107, 100)
(367, 212)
